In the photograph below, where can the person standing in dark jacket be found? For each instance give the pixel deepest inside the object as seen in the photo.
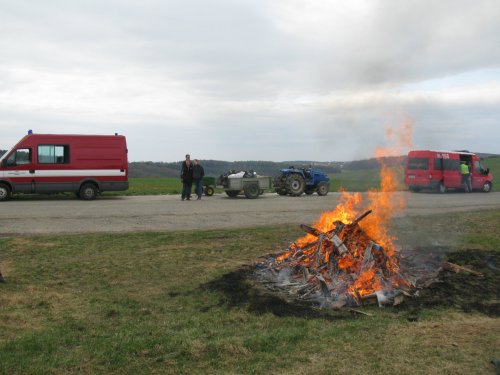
(187, 178)
(198, 173)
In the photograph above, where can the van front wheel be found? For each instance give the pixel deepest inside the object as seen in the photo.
(5, 192)
(88, 192)
(487, 187)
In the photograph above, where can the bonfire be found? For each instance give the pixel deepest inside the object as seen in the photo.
(349, 257)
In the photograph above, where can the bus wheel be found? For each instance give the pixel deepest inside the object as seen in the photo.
(441, 188)
(487, 187)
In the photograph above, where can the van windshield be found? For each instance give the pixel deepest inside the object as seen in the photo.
(418, 163)
(4, 155)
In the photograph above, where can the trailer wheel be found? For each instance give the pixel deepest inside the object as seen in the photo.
(209, 191)
(232, 193)
(5, 192)
(295, 184)
(487, 187)
(88, 191)
(322, 189)
(251, 191)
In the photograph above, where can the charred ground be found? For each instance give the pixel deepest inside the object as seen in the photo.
(461, 291)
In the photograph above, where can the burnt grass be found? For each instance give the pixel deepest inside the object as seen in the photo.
(462, 291)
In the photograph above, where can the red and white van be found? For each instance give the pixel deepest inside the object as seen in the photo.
(56, 163)
(440, 170)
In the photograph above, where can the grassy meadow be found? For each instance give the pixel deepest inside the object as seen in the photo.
(178, 303)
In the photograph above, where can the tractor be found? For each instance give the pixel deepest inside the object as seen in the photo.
(295, 181)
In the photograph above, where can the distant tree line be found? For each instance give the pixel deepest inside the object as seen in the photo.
(267, 168)
(218, 167)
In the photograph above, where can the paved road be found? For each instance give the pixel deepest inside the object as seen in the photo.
(157, 213)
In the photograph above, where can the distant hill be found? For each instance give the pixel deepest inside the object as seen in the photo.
(268, 168)
(218, 167)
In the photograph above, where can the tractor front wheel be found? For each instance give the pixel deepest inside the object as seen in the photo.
(322, 188)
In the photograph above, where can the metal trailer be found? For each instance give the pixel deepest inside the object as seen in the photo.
(252, 187)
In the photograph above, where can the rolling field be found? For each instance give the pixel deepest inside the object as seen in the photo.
(179, 303)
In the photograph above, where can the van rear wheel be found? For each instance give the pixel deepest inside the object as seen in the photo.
(88, 192)
(5, 192)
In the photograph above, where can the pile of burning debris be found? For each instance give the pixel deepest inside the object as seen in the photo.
(344, 267)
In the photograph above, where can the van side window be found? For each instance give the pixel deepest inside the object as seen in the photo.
(53, 154)
(446, 165)
(418, 163)
(21, 156)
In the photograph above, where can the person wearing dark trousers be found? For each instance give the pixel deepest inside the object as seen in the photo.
(198, 174)
(465, 174)
(187, 178)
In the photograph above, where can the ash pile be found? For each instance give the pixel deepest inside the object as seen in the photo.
(344, 267)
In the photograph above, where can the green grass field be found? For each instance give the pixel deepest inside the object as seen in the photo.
(174, 303)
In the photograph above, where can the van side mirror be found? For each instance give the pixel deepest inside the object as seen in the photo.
(487, 171)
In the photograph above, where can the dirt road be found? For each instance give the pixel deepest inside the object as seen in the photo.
(157, 213)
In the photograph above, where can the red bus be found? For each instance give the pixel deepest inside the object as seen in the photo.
(54, 163)
(440, 170)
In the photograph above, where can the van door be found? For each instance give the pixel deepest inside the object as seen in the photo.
(479, 175)
(19, 170)
(451, 170)
(52, 160)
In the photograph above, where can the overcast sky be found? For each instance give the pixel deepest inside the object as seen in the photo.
(253, 79)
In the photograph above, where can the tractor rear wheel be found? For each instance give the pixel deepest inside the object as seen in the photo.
(295, 185)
